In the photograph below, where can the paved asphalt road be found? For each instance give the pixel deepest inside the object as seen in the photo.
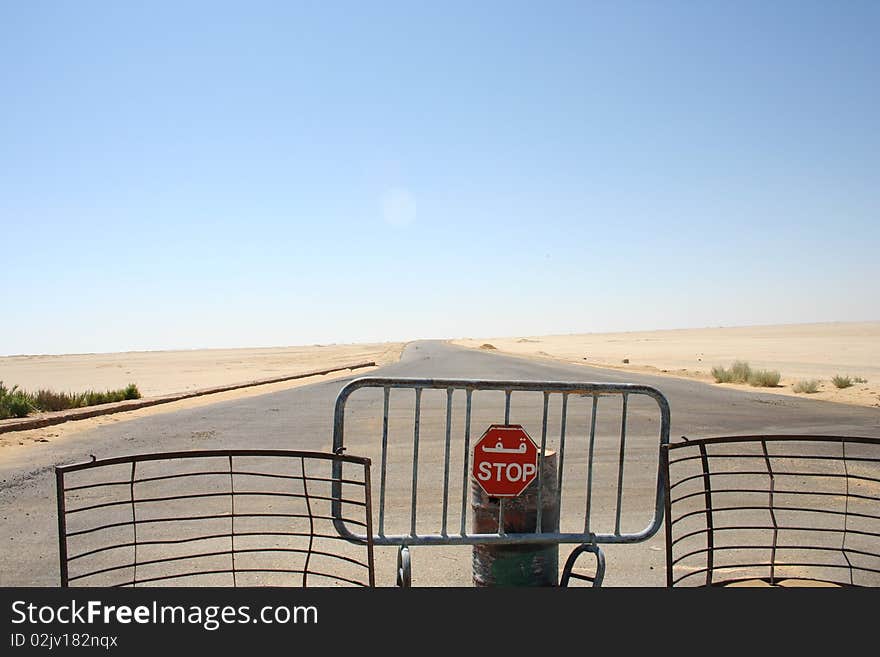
(301, 418)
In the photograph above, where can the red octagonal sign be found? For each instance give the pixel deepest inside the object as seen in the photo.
(505, 460)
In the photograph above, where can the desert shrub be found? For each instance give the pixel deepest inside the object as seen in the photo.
(13, 402)
(739, 372)
(18, 403)
(48, 400)
(721, 374)
(841, 381)
(858, 379)
(764, 378)
(807, 385)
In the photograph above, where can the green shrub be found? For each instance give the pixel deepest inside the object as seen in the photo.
(46, 400)
(764, 378)
(13, 402)
(808, 386)
(841, 381)
(18, 403)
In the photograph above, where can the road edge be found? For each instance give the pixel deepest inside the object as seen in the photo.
(58, 417)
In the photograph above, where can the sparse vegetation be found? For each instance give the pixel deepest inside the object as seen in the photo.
(764, 378)
(841, 381)
(741, 372)
(18, 403)
(858, 379)
(737, 373)
(808, 386)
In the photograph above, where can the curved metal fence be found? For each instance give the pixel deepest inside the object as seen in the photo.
(215, 518)
(775, 510)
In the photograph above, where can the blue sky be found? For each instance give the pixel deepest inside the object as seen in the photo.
(217, 174)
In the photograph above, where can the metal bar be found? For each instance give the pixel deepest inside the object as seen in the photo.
(710, 524)
(501, 516)
(449, 392)
(510, 538)
(567, 573)
(386, 395)
(211, 453)
(700, 571)
(134, 524)
(224, 473)
(507, 407)
(368, 500)
(561, 451)
(776, 438)
(218, 516)
(817, 475)
(813, 548)
(846, 513)
(800, 457)
(515, 386)
(200, 555)
(868, 498)
(539, 528)
(620, 466)
(415, 468)
(466, 469)
(200, 495)
(62, 525)
(311, 526)
(798, 528)
(664, 462)
(722, 509)
(590, 465)
(232, 520)
(207, 537)
(249, 570)
(772, 513)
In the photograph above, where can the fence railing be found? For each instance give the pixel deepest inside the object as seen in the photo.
(773, 509)
(421, 433)
(218, 518)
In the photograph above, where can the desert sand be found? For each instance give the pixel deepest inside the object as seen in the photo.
(164, 372)
(796, 351)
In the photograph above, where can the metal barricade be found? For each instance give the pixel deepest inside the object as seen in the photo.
(442, 432)
(773, 510)
(216, 518)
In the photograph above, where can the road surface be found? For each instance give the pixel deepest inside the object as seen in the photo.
(301, 418)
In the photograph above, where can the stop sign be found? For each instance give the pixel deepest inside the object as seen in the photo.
(505, 460)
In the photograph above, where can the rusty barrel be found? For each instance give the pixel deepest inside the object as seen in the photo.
(517, 565)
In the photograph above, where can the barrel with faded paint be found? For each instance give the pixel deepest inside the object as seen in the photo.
(517, 564)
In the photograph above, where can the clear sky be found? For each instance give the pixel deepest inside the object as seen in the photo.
(216, 174)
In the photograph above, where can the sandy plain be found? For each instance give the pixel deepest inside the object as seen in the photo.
(797, 351)
(165, 372)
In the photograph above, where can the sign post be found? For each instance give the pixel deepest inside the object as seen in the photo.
(504, 491)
